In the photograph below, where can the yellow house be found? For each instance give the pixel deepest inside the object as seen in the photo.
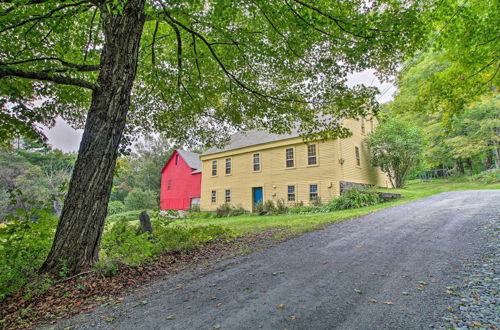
(257, 166)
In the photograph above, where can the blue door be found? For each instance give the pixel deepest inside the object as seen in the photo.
(257, 195)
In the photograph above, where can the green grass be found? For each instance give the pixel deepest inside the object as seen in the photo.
(300, 223)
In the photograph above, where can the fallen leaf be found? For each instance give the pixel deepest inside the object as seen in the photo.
(388, 303)
(405, 276)
(373, 301)
(475, 297)
(406, 293)
(218, 305)
(359, 246)
(179, 286)
(217, 326)
(422, 283)
(324, 262)
(293, 317)
(171, 317)
(281, 306)
(475, 324)
(358, 291)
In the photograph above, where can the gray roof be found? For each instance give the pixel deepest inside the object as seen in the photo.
(192, 159)
(250, 138)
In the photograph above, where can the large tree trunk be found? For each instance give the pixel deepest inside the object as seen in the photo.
(77, 239)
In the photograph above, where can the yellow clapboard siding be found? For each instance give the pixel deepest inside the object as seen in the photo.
(275, 178)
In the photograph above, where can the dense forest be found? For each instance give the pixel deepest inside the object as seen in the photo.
(36, 171)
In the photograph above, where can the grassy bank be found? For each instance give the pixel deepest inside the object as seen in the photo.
(300, 223)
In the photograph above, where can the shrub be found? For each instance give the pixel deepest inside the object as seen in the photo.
(128, 215)
(353, 198)
(228, 210)
(139, 199)
(281, 207)
(316, 202)
(201, 215)
(302, 209)
(269, 207)
(194, 209)
(121, 243)
(25, 241)
(259, 208)
(486, 177)
(115, 207)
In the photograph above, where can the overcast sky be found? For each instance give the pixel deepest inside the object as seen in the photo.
(63, 137)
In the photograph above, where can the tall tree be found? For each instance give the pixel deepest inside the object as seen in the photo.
(194, 70)
(462, 63)
(396, 147)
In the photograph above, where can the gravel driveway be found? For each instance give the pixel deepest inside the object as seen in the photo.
(386, 270)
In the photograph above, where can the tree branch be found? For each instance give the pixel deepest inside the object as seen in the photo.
(223, 67)
(337, 21)
(45, 76)
(179, 51)
(153, 60)
(78, 67)
(38, 18)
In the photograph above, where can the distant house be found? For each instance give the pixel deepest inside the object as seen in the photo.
(181, 181)
(257, 166)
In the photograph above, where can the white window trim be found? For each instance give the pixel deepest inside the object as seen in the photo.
(294, 158)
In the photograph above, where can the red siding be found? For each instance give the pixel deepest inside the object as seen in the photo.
(184, 185)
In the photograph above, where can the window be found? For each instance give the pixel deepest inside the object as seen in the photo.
(214, 196)
(256, 162)
(177, 159)
(169, 185)
(289, 157)
(291, 193)
(311, 154)
(228, 165)
(358, 159)
(313, 192)
(228, 195)
(214, 168)
(362, 125)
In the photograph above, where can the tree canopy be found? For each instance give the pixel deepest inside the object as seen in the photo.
(204, 64)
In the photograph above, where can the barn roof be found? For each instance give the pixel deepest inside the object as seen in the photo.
(192, 159)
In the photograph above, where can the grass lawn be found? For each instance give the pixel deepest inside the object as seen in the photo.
(299, 223)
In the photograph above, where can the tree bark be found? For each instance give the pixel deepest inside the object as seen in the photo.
(78, 235)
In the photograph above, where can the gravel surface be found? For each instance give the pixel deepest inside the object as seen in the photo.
(477, 302)
(386, 270)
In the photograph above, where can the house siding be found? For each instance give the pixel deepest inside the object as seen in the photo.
(184, 184)
(274, 177)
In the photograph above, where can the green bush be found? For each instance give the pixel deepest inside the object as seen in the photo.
(128, 215)
(139, 199)
(302, 209)
(201, 215)
(269, 207)
(25, 241)
(486, 177)
(228, 210)
(281, 207)
(258, 208)
(353, 198)
(115, 207)
(121, 243)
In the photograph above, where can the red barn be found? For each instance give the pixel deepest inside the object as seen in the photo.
(181, 181)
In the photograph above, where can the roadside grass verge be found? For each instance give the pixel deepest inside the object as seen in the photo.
(299, 223)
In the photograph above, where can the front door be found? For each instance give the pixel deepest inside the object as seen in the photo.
(257, 195)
